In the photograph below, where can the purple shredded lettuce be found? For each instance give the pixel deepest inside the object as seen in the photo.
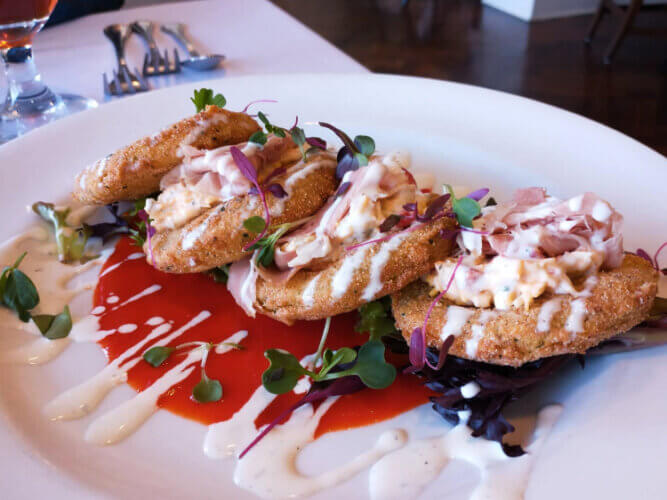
(499, 386)
(319, 391)
(107, 230)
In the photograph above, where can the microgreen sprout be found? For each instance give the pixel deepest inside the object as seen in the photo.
(204, 97)
(266, 244)
(354, 153)
(653, 260)
(207, 390)
(18, 293)
(367, 363)
(465, 208)
(70, 242)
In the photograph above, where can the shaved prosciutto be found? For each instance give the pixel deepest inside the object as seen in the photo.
(534, 225)
(214, 172)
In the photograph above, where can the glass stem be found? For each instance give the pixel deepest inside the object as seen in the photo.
(27, 92)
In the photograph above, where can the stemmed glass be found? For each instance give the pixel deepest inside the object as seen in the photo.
(29, 102)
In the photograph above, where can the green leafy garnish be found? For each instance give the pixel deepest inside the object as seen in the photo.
(376, 320)
(71, 242)
(270, 128)
(258, 137)
(138, 232)
(157, 355)
(466, 209)
(220, 274)
(205, 97)
(267, 244)
(207, 390)
(18, 292)
(254, 224)
(368, 364)
(54, 327)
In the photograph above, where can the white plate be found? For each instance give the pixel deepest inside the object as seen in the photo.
(610, 441)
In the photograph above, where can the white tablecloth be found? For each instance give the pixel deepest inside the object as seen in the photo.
(256, 37)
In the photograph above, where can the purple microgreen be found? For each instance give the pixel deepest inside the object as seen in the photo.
(342, 189)
(411, 177)
(245, 110)
(248, 170)
(365, 145)
(349, 143)
(478, 194)
(418, 347)
(150, 232)
(346, 163)
(644, 255)
(434, 208)
(653, 260)
(389, 223)
(316, 142)
(449, 234)
(107, 230)
(410, 207)
(276, 190)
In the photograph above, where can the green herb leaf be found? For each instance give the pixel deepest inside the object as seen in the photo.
(365, 144)
(220, 274)
(466, 209)
(267, 244)
(255, 224)
(205, 97)
(54, 327)
(371, 366)
(298, 136)
(376, 320)
(207, 390)
(157, 355)
(20, 294)
(258, 137)
(71, 242)
(262, 117)
(283, 372)
(331, 359)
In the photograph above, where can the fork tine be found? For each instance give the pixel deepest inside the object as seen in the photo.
(142, 83)
(129, 80)
(177, 61)
(105, 83)
(117, 83)
(144, 70)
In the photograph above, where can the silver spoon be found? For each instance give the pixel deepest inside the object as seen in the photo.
(195, 61)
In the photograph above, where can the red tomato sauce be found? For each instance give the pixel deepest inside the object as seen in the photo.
(182, 297)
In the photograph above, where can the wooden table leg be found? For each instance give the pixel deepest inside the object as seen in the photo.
(595, 22)
(630, 14)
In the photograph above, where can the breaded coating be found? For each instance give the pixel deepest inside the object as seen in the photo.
(620, 300)
(365, 274)
(135, 170)
(217, 236)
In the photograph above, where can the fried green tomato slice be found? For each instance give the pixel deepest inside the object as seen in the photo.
(550, 326)
(134, 171)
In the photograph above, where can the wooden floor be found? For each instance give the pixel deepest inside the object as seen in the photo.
(462, 41)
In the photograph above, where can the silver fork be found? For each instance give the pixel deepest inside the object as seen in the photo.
(154, 63)
(124, 81)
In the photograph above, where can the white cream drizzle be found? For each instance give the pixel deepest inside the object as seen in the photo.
(113, 267)
(546, 313)
(406, 472)
(575, 320)
(478, 333)
(457, 317)
(308, 295)
(343, 277)
(147, 291)
(378, 263)
(85, 397)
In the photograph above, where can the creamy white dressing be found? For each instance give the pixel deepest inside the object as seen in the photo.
(546, 313)
(248, 292)
(477, 330)
(155, 320)
(85, 397)
(575, 320)
(308, 295)
(114, 299)
(343, 277)
(457, 317)
(378, 263)
(191, 237)
(113, 267)
(147, 291)
(406, 472)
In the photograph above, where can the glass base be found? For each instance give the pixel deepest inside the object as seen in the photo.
(32, 112)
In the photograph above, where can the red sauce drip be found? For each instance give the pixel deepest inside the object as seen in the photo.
(182, 297)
